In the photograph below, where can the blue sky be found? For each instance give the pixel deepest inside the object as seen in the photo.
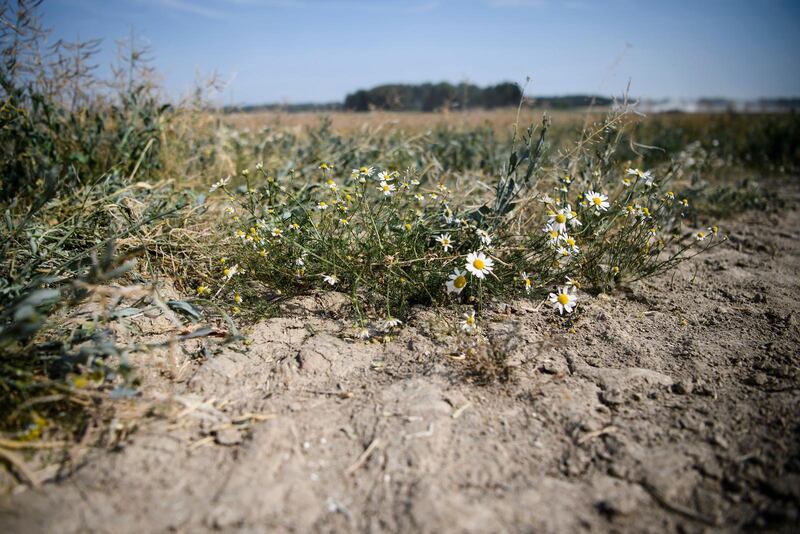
(319, 50)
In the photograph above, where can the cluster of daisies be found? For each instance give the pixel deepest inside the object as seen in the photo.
(321, 237)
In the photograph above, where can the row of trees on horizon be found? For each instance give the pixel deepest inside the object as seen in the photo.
(436, 97)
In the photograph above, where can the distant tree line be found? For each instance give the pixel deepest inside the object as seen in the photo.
(435, 97)
(440, 96)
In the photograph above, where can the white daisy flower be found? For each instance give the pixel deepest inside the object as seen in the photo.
(221, 183)
(553, 235)
(230, 272)
(526, 282)
(445, 241)
(558, 219)
(332, 279)
(646, 176)
(484, 236)
(448, 215)
(386, 188)
(457, 282)
(362, 333)
(573, 217)
(385, 176)
(565, 300)
(571, 244)
(277, 232)
(322, 205)
(469, 324)
(390, 322)
(479, 265)
(598, 201)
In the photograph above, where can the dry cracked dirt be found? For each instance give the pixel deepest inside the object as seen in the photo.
(671, 406)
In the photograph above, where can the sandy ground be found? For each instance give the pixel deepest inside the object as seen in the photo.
(670, 407)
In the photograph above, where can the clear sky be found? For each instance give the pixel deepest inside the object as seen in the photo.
(319, 50)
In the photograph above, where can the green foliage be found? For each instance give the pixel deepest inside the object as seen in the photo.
(74, 221)
(754, 140)
(60, 126)
(431, 97)
(392, 239)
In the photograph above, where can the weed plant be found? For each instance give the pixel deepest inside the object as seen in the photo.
(392, 238)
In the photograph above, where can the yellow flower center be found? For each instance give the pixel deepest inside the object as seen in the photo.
(478, 264)
(470, 320)
(553, 234)
(386, 187)
(527, 282)
(563, 299)
(597, 201)
(561, 218)
(460, 282)
(571, 241)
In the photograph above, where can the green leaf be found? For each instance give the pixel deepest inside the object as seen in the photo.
(185, 308)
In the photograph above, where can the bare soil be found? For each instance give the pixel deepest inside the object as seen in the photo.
(671, 406)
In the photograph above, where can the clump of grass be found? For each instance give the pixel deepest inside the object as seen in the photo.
(86, 218)
(391, 239)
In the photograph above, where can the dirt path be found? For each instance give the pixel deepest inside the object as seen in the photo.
(673, 406)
